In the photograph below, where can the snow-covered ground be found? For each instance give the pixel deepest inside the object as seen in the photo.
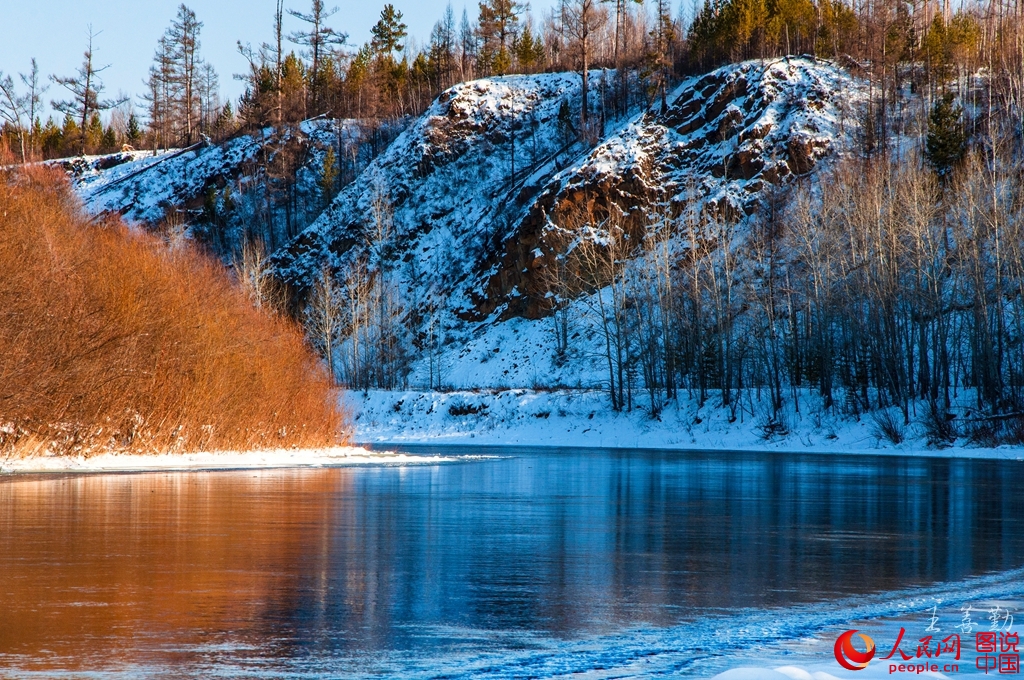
(583, 418)
(813, 673)
(985, 603)
(227, 460)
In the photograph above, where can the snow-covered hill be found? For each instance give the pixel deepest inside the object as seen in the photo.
(449, 186)
(262, 185)
(470, 235)
(479, 184)
(726, 139)
(148, 184)
(466, 205)
(476, 188)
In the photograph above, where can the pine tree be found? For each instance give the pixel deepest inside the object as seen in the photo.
(51, 139)
(134, 131)
(225, 124)
(529, 51)
(109, 140)
(318, 38)
(442, 50)
(499, 27)
(947, 140)
(37, 134)
(159, 95)
(659, 60)
(293, 90)
(183, 38)
(259, 104)
(94, 133)
(329, 176)
(356, 78)
(388, 34)
(183, 89)
(838, 29)
(85, 88)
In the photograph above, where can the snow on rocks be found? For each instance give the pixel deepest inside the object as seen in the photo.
(469, 193)
(450, 183)
(468, 199)
(143, 186)
(725, 140)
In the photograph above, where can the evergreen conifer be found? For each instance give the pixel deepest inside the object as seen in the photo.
(947, 139)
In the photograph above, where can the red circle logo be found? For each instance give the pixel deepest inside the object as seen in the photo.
(848, 657)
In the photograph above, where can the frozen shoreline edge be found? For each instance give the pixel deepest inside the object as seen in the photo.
(462, 449)
(459, 442)
(342, 456)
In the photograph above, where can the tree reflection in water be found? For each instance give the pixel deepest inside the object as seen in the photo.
(339, 567)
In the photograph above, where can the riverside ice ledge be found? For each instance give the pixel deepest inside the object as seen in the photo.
(343, 456)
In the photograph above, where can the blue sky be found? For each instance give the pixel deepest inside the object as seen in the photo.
(54, 32)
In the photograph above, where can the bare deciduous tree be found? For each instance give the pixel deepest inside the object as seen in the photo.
(14, 109)
(324, 317)
(581, 19)
(256, 276)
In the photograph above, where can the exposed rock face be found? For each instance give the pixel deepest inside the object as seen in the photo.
(450, 185)
(478, 192)
(726, 137)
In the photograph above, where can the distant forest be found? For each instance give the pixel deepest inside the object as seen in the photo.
(315, 71)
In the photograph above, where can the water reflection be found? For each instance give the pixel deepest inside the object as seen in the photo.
(337, 568)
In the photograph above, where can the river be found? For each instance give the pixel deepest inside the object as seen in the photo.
(525, 562)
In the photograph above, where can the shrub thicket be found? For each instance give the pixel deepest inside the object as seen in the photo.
(112, 339)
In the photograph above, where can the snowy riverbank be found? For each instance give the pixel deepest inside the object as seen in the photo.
(521, 417)
(227, 460)
(578, 418)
